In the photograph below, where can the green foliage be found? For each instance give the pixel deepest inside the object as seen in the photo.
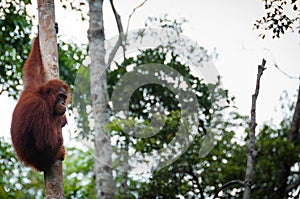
(71, 57)
(15, 45)
(17, 181)
(190, 175)
(15, 27)
(151, 94)
(81, 104)
(78, 174)
(177, 178)
(163, 96)
(277, 153)
(182, 177)
(225, 162)
(27, 184)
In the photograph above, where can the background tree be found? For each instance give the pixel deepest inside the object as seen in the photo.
(103, 174)
(183, 176)
(26, 184)
(14, 42)
(78, 178)
(281, 16)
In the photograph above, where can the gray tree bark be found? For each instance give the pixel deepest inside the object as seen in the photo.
(53, 178)
(105, 186)
(293, 135)
(251, 151)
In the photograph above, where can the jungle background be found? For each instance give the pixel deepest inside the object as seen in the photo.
(270, 32)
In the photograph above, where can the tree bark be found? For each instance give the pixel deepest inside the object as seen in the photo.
(105, 186)
(293, 135)
(54, 186)
(251, 151)
(47, 36)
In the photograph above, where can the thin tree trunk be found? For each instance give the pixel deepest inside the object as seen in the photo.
(53, 178)
(105, 186)
(293, 137)
(251, 151)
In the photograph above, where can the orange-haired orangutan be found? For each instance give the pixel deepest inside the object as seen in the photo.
(38, 118)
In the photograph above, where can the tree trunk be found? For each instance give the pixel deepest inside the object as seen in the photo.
(293, 137)
(47, 37)
(102, 168)
(53, 178)
(251, 151)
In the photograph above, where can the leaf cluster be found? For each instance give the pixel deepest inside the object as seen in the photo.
(15, 27)
(78, 175)
(280, 17)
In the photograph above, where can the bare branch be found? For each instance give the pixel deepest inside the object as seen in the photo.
(117, 16)
(133, 11)
(232, 182)
(251, 151)
(285, 73)
(121, 39)
(277, 67)
(115, 50)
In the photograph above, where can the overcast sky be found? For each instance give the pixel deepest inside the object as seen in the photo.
(226, 25)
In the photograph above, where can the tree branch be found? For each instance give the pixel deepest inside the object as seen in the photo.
(293, 135)
(117, 16)
(195, 178)
(121, 39)
(133, 11)
(112, 54)
(251, 151)
(232, 182)
(122, 36)
(284, 73)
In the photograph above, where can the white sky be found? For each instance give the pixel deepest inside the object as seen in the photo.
(224, 25)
